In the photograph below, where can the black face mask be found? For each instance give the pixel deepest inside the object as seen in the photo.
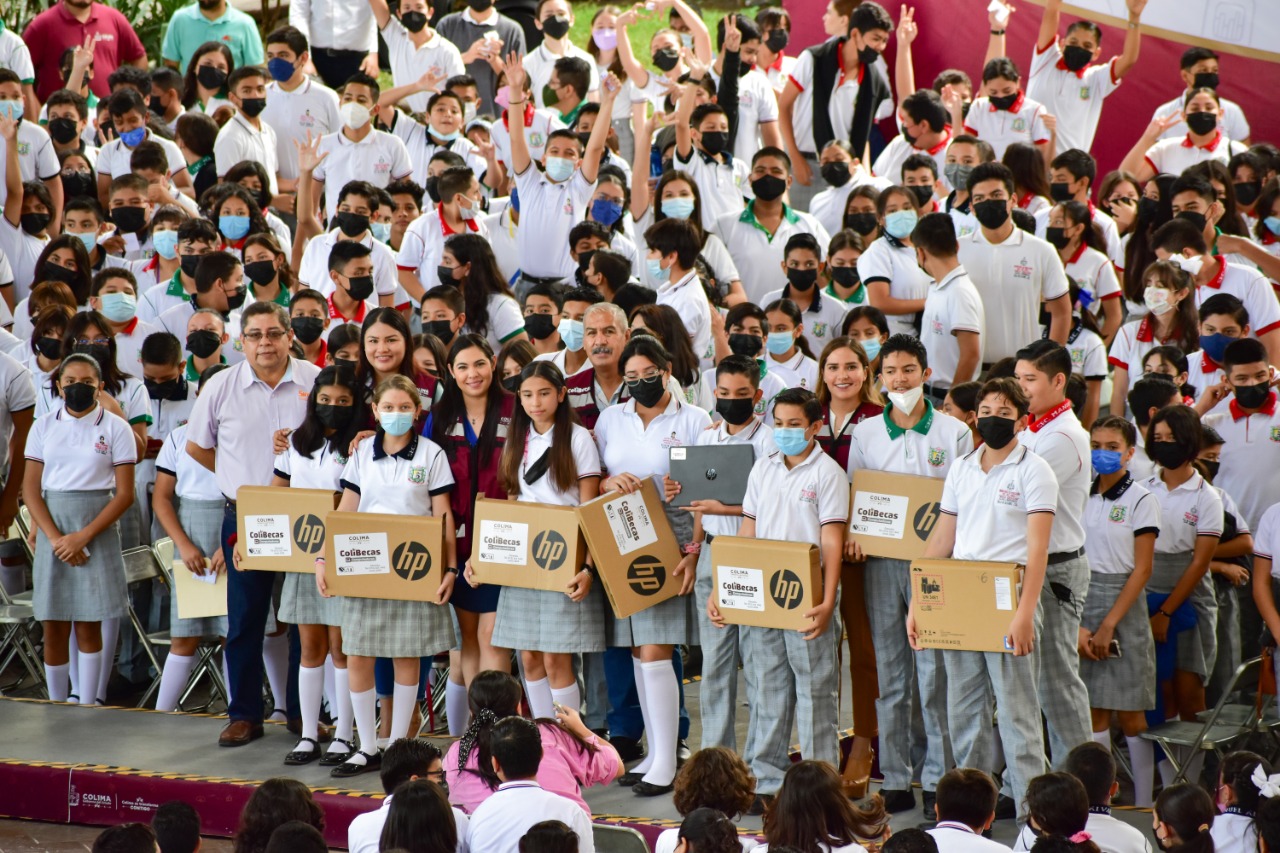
(156, 106)
(1075, 57)
(1166, 454)
(352, 224)
(648, 392)
(79, 185)
(34, 223)
(173, 389)
(584, 264)
(203, 343)
(1247, 192)
(189, 263)
(360, 287)
(902, 128)
(863, 223)
(1060, 191)
(768, 187)
(100, 353)
(802, 280)
(714, 141)
(479, 5)
(740, 343)
(1211, 467)
(130, 220)
(63, 130)
(512, 383)
(333, 417)
(868, 55)
(557, 26)
(996, 432)
(666, 59)
(442, 329)
(79, 397)
(253, 107)
(1195, 217)
(260, 272)
(540, 326)
(1148, 209)
(1057, 236)
(744, 69)
(57, 272)
(1252, 396)
(777, 40)
(414, 22)
(1206, 80)
(1202, 123)
(445, 275)
(210, 77)
(835, 173)
(433, 192)
(736, 412)
(236, 299)
(992, 213)
(923, 194)
(50, 348)
(846, 277)
(307, 329)
(1003, 102)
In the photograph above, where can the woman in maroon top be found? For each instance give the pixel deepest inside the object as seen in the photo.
(470, 422)
(386, 349)
(848, 395)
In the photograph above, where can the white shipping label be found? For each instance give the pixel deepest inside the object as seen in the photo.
(268, 536)
(879, 515)
(1004, 594)
(740, 589)
(361, 554)
(629, 520)
(504, 542)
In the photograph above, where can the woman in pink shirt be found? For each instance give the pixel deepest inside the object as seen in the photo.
(573, 757)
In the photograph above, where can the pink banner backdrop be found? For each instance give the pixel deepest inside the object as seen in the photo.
(953, 33)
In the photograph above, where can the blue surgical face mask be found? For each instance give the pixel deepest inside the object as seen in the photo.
(677, 208)
(381, 231)
(571, 332)
(445, 137)
(133, 138)
(1273, 224)
(90, 239)
(233, 227)
(1107, 461)
(871, 347)
(12, 109)
(165, 243)
(1215, 346)
(779, 342)
(395, 423)
(280, 69)
(606, 212)
(900, 223)
(790, 440)
(656, 272)
(119, 307)
(560, 168)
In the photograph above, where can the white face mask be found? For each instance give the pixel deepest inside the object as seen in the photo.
(906, 401)
(353, 115)
(468, 113)
(1191, 266)
(1157, 300)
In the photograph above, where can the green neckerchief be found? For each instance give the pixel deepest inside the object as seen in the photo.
(175, 287)
(858, 297)
(282, 298)
(571, 118)
(764, 367)
(192, 168)
(192, 374)
(922, 425)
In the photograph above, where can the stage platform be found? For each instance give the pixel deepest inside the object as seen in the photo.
(101, 766)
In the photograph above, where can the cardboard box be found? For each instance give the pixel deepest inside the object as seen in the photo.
(893, 515)
(766, 582)
(372, 555)
(281, 530)
(202, 596)
(964, 606)
(525, 544)
(634, 548)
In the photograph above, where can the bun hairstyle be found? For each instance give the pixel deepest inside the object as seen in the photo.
(1188, 811)
(1059, 805)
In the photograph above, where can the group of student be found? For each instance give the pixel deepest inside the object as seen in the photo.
(696, 251)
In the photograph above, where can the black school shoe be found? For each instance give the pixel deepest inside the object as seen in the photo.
(898, 801)
(348, 769)
(333, 759)
(648, 789)
(627, 780)
(1006, 808)
(303, 756)
(629, 748)
(930, 806)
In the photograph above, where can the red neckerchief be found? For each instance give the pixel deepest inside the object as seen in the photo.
(1079, 251)
(946, 139)
(1216, 281)
(528, 116)
(129, 327)
(1039, 423)
(1212, 146)
(1017, 104)
(1062, 66)
(1268, 408)
(777, 64)
(1208, 365)
(1025, 200)
(324, 349)
(1267, 237)
(335, 314)
(446, 229)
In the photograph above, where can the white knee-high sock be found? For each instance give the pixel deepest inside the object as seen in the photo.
(456, 709)
(330, 686)
(177, 670)
(646, 715)
(364, 706)
(73, 663)
(275, 659)
(569, 696)
(539, 693)
(310, 687)
(90, 672)
(1103, 738)
(110, 639)
(1141, 759)
(406, 699)
(342, 709)
(662, 695)
(58, 679)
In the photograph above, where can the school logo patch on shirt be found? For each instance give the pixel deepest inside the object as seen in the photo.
(536, 139)
(819, 330)
(1009, 495)
(306, 120)
(937, 457)
(1084, 93)
(1019, 125)
(382, 167)
(1077, 357)
(418, 475)
(1022, 269)
(1275, 433)
(1191, 517)
(1118, 514)
(808, 495)
(671, 440)
(101, 446)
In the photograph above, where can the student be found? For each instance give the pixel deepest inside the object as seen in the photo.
(1121, 521)
(924, 134)
(802, 264)
(867, 325)
(1030, 181)
(79, 576)
(1199, 69)
(35, 149)
(385, 351)
(405, 760)
(953, 314)
(1005, 115)
(369, 625)
(351, 269)
(1237, 797)
(129, 118)
(206, 335)
(1182, 818)
(267, 269)
(843, 173)
(539, 124)
(1084, 258)
(188, 506)
(458, 212)
(356, 203)
(1088, 354)
(219, 285)
(252, 177)
(974, 525)
(296, 103)
(24, 229)
(1072, 175)
(1246, 427)
(549, 627)
(720, 176)
(246, 136)
(673, 249)
(666, 51)
(309, 320)
(88, 333)
(1201, 110)
(344, 345)
(812, 812)
(406, 198)
(841, 273)
(467, 263)
(443, 312)
(113, 293)
(788, 350)
(1149, 395)
(414, 47)
(963, 154)
(205, 79)
(441, 131)
(569, 330)
(962, 404)
(663, 323)
(911, 438)
(743, 334)
(542, 304)
(966, 810)
(177, 827)
(175, 238)
(1058, 806)
(172, 394)
(895, 283)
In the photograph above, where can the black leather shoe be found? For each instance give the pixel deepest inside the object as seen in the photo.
(930, 807)
(1006, 808)
(898, 801)
(347, 769)
(333, 759)
(626, 780)
(303, 756)
(647, 789)
(629, 748)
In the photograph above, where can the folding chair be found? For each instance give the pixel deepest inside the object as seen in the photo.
(1215, 732)
(617, 839)
(17, 627)
(141, 566)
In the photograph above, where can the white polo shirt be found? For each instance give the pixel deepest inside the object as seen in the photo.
(379, 158)
(423, 244)
(239, 140)
(1088, 352)
(558, 359)
(1175, 156)
(822, 319)
(1013, 278)
(627, 446)
(961, 216)
(757, 105)
(168, 415)
(402, 483)
(18, 393)
(794, 503)
(839, 105)
(1094, 273)
(586, 461)
(1231, 119)
(1250, 287)
(174, 321)
(364, 833)
(314, 269)
(1203, 372)
(409, 62)
(81, 454)
(539, 64)
(991, 508)
(952, 305)
(1133, 342)
(1110, 834)
(758, 256)
(757, 434)
(955, 837)
(689, 300)
(113, 158)
(1266, 538)
(421, 148)
(1074, 97)
(538, 125)
(1058, 438)
(194, 482)
(1249, 457)
(928, 449)
(799, 371)
(37, 161)
(770, 383)
(310, 108)
(23, 251)
(129, 345)
(1022, 122)
(548, 211)
(498, 824)
(889, 164)
(502, 239)
(321, 470)
(505, 321)
(714, 254)
(889, 260)
(1112, 519)
(721, 186)
(1192, 509)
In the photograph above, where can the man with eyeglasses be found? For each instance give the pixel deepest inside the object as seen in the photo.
(230, 434)
(403, 760)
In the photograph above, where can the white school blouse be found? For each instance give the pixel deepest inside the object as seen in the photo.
(321, 470)
(402, 483)
(194, 481)
(586, 459)
(1191, 510)
(81, 454)
(1113, 519)
(626, 445)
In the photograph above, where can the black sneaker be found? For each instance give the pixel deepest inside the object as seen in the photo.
(1006, 808)
(930, 806)
(898, 801)
(629, 748)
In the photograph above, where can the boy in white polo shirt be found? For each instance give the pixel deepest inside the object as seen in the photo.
(414, 48)
(353, 207)
(1251, 428)
(913, 437)
(246, 136)
(1223, 319)
(702, 150)
(953, 318)
(673, 252)
(457, 212)
(998, 504)
(799, 494)
(823, 313)
(1071, 177)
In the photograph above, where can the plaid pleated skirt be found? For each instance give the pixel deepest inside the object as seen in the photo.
(1197, 647)
(90, 592)
(536, 620)
(202, 522)
(302, 604)
(381, 628)
(1126, 683)
(674, 621)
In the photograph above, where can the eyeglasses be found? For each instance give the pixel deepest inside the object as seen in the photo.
(651, 376)
(256, 337)
(86, 342)
(435, 775)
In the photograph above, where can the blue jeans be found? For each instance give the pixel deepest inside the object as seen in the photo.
(624, 703)
(248, 603)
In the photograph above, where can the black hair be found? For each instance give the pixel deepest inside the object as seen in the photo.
(161, 348)
(926, 105)
(1080, 164)
(1130, 434)
(1000, 68)
(1058, 803)
(992, 172)
(908, 344)
(1150, 392)
(967, 795)
(546, 290)
(1008, 388)
(674, 235)
(214, 266)
(802, 241)
(125, 838)
(344, 251)
(1026, 164)
(802, 397)
(273, 803)
(549, 836)
(748, 28)
(1237, 771)
(869, 16)
(295, 836)
(177, 827)
(574, 71)
(793, 313)
(309, 436)
(455, 180)
(1244, 351)
(870, 313)
(484, 281)
(739, 365)
(364, 189)
(1078, 213)
(516, 744)
(409, 187)
(613, 267)
(1092, 762)
(913, 839)
(1048, 357)
(1193, 56)
(778, 153)
(935, 233)
(128, 75)
(1184, 423)
(665, 322)
(708, 830)
(362, 79)
(290, 37)
(420, 820)
(586, 229)
(1187, 810)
